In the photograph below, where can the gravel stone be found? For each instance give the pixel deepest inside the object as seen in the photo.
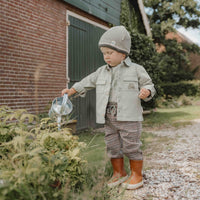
(175, 172)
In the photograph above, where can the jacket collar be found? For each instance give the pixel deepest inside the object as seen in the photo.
(127, 63)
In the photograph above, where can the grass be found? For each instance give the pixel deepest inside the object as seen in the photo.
(95, 150)
(175, 117)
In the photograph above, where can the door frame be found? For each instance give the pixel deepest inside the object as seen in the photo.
(70, 13)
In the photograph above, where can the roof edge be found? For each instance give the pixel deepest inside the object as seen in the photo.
(144, 18)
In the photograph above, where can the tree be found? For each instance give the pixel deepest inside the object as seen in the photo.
(165, 16)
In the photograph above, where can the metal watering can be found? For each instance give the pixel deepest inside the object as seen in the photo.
(60, 106)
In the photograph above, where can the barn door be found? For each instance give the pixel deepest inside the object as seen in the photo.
(84, 57)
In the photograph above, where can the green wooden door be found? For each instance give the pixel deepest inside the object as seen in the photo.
(84, 57)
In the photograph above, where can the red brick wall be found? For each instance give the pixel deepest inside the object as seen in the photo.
(33, 52)
(195, 61)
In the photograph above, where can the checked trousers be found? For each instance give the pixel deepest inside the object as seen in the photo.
(122, 137)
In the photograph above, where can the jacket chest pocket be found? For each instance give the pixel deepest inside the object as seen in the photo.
(130, 83)
(100, 85)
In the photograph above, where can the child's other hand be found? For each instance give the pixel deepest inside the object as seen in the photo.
(144, 93)
(70, 91)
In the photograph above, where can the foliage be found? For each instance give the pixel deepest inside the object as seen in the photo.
(163, 17)
(179, 88)
(39, 162)
(179, 94)
(130, 17)
(174, 61)
(19, 119)
(143, 53)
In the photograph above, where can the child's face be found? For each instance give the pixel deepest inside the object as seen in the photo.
(112, 57)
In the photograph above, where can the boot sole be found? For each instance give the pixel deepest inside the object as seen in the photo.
(121, 180)
(132, 186)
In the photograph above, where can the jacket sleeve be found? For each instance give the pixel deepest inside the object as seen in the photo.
(87, 83)
(145, 81)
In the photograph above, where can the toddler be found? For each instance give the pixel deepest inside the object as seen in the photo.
(120, 86)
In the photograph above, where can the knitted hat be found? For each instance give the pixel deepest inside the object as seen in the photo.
(117, 38)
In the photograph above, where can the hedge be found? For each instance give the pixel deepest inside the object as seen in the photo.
(179, 88)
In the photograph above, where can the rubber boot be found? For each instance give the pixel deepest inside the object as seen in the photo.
(135, 180)
(119, 173)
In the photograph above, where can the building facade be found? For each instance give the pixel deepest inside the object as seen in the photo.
(47, 45)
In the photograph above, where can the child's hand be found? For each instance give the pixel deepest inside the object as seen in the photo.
(144, 93)
(70, 91)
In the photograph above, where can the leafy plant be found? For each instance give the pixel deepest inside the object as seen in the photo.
(37, 162)
(40, 162)
(13, 123)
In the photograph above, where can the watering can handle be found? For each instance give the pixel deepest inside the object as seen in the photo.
(65, 98)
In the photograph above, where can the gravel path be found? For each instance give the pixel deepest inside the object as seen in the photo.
(173, 171)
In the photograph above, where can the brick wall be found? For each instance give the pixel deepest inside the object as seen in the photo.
(33, 52)
(195, 61)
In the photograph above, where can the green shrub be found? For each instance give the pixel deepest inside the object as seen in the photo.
(8, 130)
(143, 53)
(180, 88)
(40, 162)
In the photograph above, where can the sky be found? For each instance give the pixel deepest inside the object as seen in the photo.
(192, 34)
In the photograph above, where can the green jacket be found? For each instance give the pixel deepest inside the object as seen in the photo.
(132, 77)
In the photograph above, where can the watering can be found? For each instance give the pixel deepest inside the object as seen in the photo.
(60, 106)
